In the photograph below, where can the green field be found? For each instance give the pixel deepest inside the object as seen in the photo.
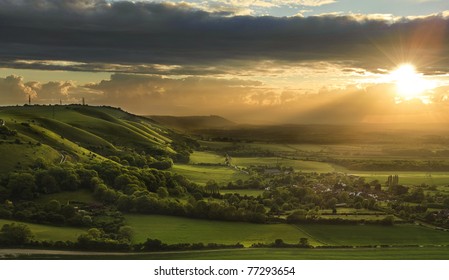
(412, 253)
(47, 132)
(359, 235)
(407, 178)
(178, 230)
(44, 232)
(431, 253)
(357, 217)
(201, 174)
(198, 157)
(298, 165)
(183, 230)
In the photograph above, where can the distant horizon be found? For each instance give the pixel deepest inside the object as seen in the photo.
(237, 123)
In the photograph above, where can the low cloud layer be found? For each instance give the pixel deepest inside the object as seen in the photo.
(244, 101)
(143, 37)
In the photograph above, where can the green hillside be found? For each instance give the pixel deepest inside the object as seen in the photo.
(56, 134)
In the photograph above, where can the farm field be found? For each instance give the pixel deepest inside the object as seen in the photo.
(201, 174)
(199, 157)
(360, 235)
(177, 230)
(430, 253)
(406, 177)
(181, 230)
(357, 217)
(45, 232)
(298, 165)
(412, 178)
(409, 253)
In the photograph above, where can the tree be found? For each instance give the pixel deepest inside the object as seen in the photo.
(22, 186)
(212, 187)
(53, 206)
(162, 192)
(388, 220)
(15, 234)
(279, 243)
(304, 242)
(297, 216)
(126, 232)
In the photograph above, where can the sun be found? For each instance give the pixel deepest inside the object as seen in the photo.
(409, 84)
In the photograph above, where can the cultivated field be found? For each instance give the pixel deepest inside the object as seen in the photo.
(50, 233)
(183, 230)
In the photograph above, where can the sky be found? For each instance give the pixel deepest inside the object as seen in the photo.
(252, 61)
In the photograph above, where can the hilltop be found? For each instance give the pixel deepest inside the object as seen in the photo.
(40, 134)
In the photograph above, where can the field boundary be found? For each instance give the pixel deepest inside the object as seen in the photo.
(309, 235)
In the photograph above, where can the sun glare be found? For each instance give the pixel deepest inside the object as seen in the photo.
(410, 84)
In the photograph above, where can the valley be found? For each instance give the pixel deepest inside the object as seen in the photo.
(96, 178)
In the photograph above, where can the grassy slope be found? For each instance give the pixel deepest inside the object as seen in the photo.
(74, 130)
(25, 154)
(44, 232)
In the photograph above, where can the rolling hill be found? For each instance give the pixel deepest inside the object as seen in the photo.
(55, 134)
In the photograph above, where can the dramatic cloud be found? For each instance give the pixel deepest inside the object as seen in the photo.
(251, 7)
(13, 91)
(244, 101)
(142, 37)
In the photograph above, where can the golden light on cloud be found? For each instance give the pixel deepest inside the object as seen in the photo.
(410, 84)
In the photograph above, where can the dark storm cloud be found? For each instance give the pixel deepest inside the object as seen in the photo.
(99, 34)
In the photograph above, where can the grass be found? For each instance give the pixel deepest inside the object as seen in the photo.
(299, 165)
(18, 156)
(432, 253)
(201, 174)
(407, 178)
(357, 217)
(76, 131)
(198, 157)
(184, 230)
(49, 233)
(358, 235)
(410, 253)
